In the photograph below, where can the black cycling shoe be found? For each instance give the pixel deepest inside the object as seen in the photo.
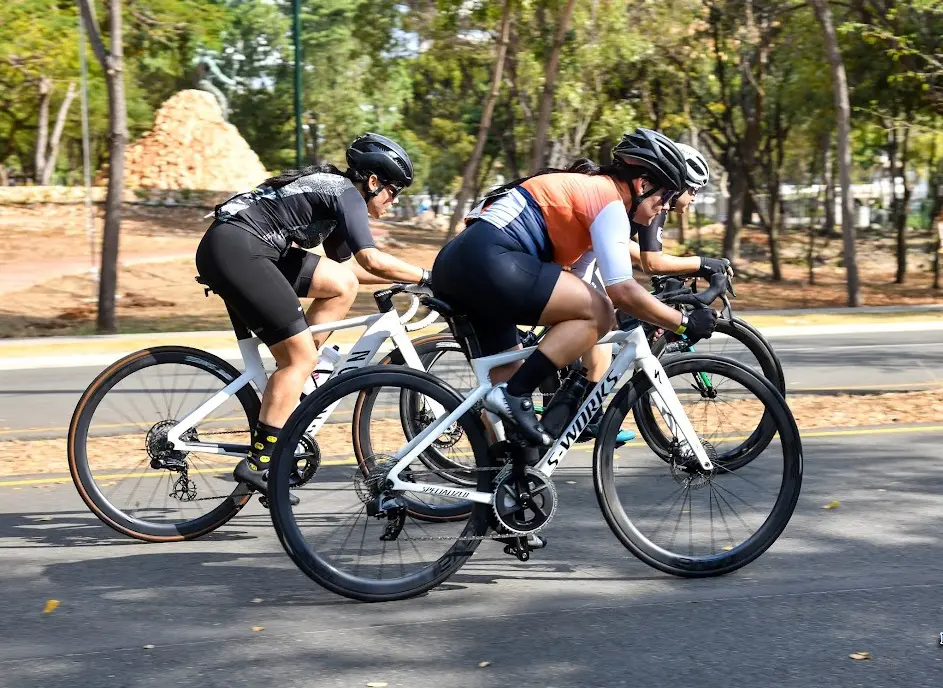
(520, 412)
(244, 473)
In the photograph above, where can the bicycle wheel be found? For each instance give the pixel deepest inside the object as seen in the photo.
(119, 457)
(753, 353)
(350, 533)
(650, 503)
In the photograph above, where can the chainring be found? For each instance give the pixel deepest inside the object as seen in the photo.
(523, 506)
(307, 462)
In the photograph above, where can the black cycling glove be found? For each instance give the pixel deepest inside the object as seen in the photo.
(712, 266)
(701, 324)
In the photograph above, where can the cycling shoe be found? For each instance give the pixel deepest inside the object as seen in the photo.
(520, 412)
(243, 473)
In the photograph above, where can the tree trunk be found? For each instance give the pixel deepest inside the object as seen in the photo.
(546, 99)
(843, 115)
(42, 128)
(938, 253)
(735, 203)
(901, 218)
(53, 154)
(810, 256)
(828, 167)
(509, 138)
(774, 220)
(936, 211)
(483, 175)
(470, 173)
(112, 62)
(605, 151)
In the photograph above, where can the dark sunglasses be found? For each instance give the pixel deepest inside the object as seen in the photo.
(665, 195)
(395, 189)
(671, 197)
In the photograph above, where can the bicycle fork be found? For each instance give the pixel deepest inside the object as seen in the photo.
(669, 406)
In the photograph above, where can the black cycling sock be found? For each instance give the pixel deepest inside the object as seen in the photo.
(264, 438)
(536, 368)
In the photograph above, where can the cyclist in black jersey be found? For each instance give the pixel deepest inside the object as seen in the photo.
(250, 256)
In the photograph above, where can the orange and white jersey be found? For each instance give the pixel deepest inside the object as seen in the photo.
(560, 216)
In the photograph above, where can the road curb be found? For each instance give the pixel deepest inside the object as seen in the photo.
(101, 350)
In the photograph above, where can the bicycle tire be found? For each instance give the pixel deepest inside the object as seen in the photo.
(80, 471)
(775, 523)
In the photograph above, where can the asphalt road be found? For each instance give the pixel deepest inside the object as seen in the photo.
(39, 403)
(866, 576)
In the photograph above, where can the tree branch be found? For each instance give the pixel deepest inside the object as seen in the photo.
(94, 34)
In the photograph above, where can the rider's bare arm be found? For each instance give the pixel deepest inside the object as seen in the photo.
(383, 267)
(632, 298)
(658, 263)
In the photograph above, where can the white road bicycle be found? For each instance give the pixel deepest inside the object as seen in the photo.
(154, 438)
(360, 538)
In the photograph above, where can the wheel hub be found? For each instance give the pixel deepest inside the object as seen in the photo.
(159, 449)
(687, 470)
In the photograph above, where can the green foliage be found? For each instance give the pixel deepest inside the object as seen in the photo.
(419, 70)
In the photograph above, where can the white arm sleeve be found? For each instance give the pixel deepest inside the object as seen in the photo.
(612, 236)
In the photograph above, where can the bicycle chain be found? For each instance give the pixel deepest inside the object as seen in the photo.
(437, 473)
(492, 536)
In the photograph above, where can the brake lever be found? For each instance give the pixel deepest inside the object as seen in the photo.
(726, 309)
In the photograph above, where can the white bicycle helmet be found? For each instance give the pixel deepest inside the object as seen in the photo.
(698, 172)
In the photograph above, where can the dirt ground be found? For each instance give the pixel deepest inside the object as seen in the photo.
(812, 412)
(876, 265)
(159, 296)
(162, 296)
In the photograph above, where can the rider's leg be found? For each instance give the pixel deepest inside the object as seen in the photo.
(597, 361)
(294, 359)
(580, 315)
(333, 288)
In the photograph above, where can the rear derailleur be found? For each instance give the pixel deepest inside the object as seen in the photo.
(393, 508)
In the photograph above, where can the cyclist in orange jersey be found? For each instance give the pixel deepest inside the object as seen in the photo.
(506, 268)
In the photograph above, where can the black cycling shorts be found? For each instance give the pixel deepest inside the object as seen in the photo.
(259, 285)
(487, 274)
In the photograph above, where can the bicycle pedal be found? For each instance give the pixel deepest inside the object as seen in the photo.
(521, 554)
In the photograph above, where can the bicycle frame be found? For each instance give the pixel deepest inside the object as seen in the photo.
(635, 353)
(379, 328)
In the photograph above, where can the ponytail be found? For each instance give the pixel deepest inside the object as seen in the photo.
(286, 177)
(616, 169)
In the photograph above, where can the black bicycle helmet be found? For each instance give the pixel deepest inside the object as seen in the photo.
(657, 154)
(381, 156)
